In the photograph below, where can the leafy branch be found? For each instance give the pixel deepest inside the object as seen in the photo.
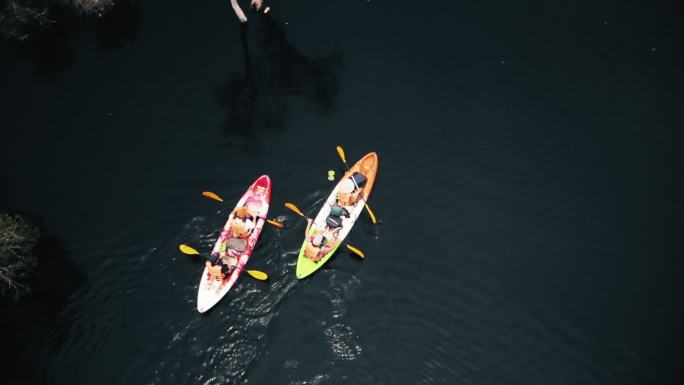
(17, 261)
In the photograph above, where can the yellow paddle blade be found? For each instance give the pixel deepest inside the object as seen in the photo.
(260, 275)
(371, 214)
(294, 208)
(213, 196)
(356, 251)
(340, 151)
(275, 223)
(188, 250)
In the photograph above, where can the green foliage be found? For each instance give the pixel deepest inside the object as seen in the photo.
(91, 7)
(17, 261)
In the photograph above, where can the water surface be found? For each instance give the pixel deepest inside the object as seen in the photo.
(529, 191)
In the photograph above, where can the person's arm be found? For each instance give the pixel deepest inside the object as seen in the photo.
(358, 195)
(308, 227)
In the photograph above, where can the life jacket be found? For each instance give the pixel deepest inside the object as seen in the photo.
(333, 222)
(348, 193)
(253, 208)
(242, 212)
(338, 211)
(215, 272)
(229, 261)
(312, 252)
(239, 229)
(348, 198)
(343, 197)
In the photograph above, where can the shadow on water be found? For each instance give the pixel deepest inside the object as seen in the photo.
(119, 26)
(272, 77)
(51, 49)
(35, 326)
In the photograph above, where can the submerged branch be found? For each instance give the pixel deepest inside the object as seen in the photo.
(238, 11)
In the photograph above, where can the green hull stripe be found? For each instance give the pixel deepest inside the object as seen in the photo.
(306, 267)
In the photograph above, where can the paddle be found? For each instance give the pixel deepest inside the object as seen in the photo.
(215, 197)
(260, 275)
(340, 151)
(296, 209)
(355, 250)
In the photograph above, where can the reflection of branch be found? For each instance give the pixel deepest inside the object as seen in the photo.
(238, 11)
(274, 73)
(245, 53)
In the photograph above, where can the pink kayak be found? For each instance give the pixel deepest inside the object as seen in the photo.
(257, 198)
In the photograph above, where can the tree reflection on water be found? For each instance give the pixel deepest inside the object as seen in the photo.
(273, 77)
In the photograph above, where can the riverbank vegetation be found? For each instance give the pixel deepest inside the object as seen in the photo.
(18, 239)
(37, 281)
(21, 18)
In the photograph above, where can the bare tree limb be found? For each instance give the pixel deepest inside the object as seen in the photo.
(238, 11)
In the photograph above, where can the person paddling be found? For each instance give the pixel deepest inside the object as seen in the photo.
(243, 222)
(223, 265)
(351, 190)
(319, 241)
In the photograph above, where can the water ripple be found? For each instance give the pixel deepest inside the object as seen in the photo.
(343, 342)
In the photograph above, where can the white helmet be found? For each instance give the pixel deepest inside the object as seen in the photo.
(347, 185)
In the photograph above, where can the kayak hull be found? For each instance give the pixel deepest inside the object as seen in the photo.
(368, 165)
(211, 291)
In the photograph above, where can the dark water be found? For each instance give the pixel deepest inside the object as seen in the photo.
(529, 192)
